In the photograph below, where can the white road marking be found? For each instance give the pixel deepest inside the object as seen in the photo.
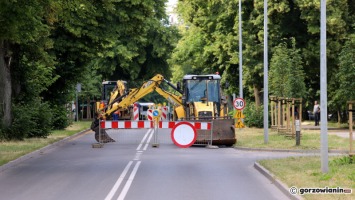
(129, 182)
(150, 137)
(138, 155)
(142, 142)
(139, 152)
(118, 182)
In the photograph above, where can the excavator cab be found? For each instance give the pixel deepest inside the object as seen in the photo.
(107, 88)
(203, 93)
(203, 101)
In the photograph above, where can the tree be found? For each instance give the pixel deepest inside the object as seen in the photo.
(286, 73)
(207, 45)
(25, 64)
(340, 20)
(215, 25)
(48, 47)
(108, 40)
(345, 76)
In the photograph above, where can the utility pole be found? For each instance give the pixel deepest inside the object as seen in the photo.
(78, 89)
(323, 87)
(266, 83)
(240, 51)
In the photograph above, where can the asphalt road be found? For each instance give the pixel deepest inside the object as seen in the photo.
(132, 169)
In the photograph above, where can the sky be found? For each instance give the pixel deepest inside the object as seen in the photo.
(170, 4)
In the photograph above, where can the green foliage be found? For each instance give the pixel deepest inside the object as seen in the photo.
(346, 74)
(33, 119)
(60, 119)
(211, 41)
(346, 160)
(207, 45)
(254, 115)
(53, 45)
(286, 73)
(2, 131)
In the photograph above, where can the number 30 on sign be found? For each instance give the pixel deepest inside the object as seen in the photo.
(239, 103)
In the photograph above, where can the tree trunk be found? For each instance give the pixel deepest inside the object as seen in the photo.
(5, 86)
(257, 95)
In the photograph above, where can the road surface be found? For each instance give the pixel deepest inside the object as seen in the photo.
(132, 169)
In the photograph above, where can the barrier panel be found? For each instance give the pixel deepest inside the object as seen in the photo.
(135, 113)
(123, 131)
(150, 114)
(164, 113)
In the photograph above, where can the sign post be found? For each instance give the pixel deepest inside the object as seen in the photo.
(298, 132)
(78, 89)
(156, 116)
(239, 105)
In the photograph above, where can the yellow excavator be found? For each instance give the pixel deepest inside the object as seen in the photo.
(200, 99)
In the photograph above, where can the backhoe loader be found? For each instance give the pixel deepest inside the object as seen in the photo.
(200, 99)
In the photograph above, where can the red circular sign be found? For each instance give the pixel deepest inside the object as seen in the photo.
(239, 103)
(184, 134)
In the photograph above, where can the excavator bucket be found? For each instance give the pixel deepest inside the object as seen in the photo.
(223, 133)
(105, 138)
(100, 134)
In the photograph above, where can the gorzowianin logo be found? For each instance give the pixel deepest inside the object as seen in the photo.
(293, 190)
(326, 190)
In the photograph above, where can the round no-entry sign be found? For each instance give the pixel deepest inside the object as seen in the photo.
(184, 134)
(239, 103)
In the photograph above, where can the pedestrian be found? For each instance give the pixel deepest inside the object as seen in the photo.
(296, 113)
(316, 112)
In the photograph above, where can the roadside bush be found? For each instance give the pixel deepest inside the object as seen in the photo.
(253, 115)
(60, 117)
(2, 131)
(21, 124)
(43, 119)
(31, 120)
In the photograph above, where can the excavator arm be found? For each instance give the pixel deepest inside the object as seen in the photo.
(117, 92)
(172, 98)
(123, 101)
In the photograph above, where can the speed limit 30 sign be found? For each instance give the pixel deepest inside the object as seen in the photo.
(239, 103)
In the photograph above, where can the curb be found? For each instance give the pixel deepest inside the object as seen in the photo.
(291, 150)
(40, 151)
(281, 186)
(329, 129)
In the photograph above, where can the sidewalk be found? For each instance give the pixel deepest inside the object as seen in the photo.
(341, 132)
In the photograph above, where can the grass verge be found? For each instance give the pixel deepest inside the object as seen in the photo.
(305, 172)
(11, 150)
(310, 140)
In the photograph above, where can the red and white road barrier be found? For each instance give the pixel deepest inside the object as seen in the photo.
(164, 113)
(150, 114)
(197, 125)
(149, 124)
(135, 112)
(126, 124)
